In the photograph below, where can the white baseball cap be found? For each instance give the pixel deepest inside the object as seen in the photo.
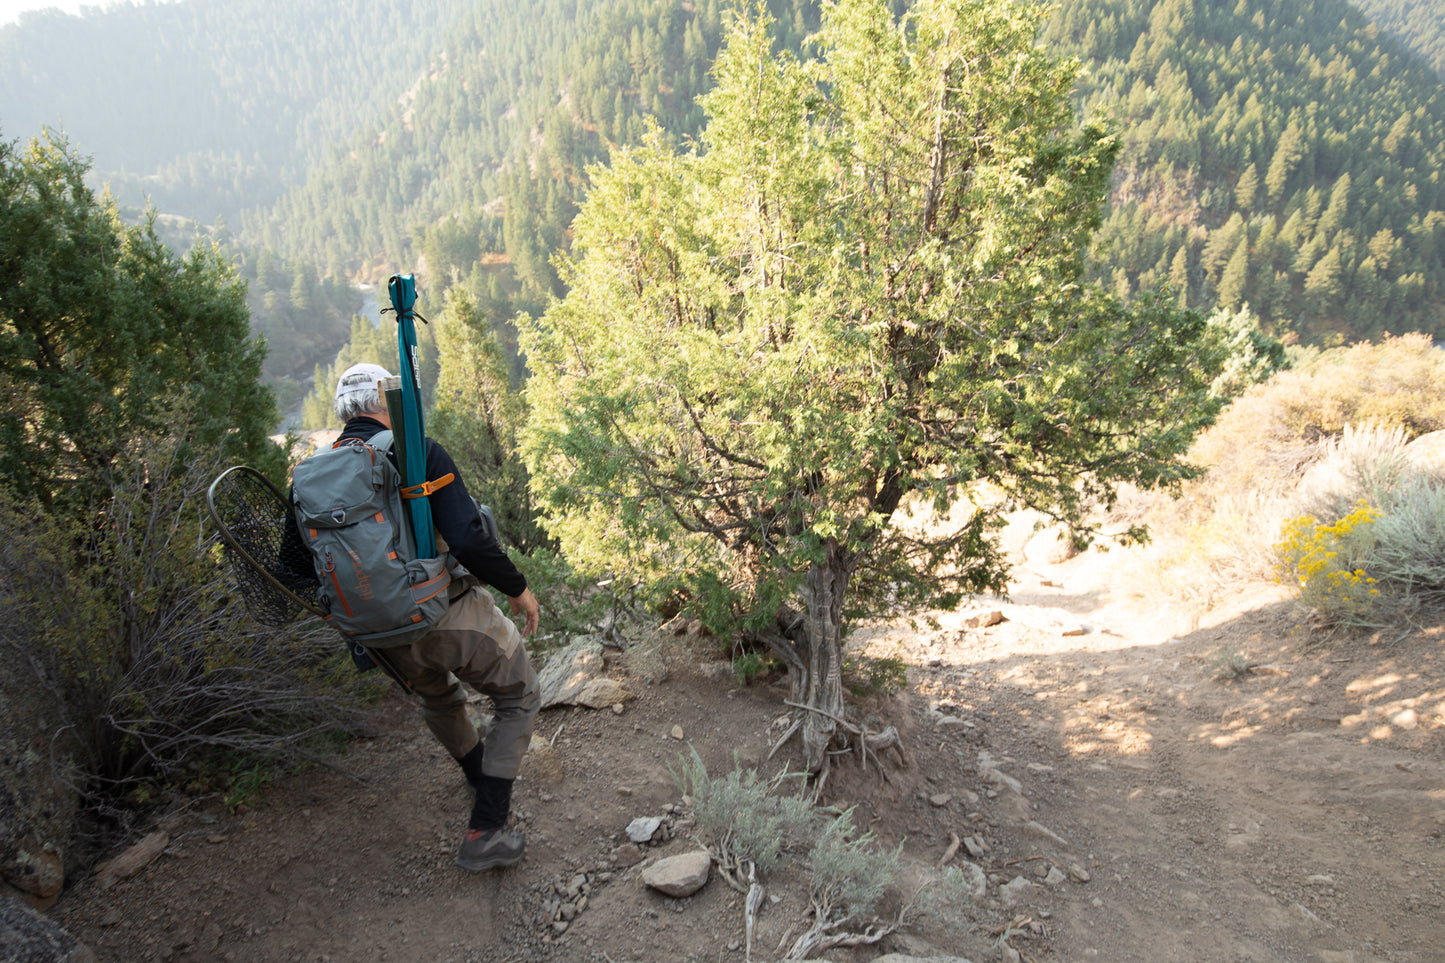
(360, 377)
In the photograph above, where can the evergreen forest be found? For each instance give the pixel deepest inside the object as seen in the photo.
(1279, 155)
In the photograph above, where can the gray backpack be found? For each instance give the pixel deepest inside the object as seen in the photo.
(348, 505)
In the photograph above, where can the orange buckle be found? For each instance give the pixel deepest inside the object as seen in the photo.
(427, 487)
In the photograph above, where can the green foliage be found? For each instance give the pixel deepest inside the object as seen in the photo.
(747, 820)
(850, 871)
(477, 415)
(866, 674)
(104, 332)
(1251, 355)
(1227, 664)
(247, 780)
(1417, 24)
(1286, 156)
(569, 603)
(241, 98)
(860, 289)
(747, 666)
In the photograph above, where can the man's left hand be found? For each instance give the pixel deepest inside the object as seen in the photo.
(525, 603)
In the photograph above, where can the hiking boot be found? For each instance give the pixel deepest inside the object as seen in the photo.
(490, 850)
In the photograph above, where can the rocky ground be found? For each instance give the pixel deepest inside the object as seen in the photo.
(1122, 802)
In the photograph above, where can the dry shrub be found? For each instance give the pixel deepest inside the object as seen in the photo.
(126, 617)
(1312, 440)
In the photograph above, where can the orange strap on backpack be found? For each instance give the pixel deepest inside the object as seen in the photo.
(427, 487)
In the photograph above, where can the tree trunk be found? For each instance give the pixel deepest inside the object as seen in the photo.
(822, 684)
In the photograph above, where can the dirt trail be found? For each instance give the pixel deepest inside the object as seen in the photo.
(1295, 814)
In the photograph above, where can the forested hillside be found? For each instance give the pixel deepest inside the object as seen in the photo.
(1418, 24)
(1284, 154)
(211, 108)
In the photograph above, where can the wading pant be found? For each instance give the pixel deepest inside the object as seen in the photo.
(477, 644)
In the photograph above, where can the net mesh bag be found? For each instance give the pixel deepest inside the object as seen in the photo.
(275, 578)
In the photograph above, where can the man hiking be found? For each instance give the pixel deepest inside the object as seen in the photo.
(472, 642)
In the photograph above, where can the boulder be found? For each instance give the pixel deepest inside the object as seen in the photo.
(604, 693)
(567, 673)
(679, 876)
(38, 810)
(30, 936)
(1427, 452)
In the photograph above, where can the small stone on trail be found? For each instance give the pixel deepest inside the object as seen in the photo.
(940, 799)
(617, 708)
(642, 829)
(1016, 891)
(626, 855)
(677, 733)
(1078, 873)
(984, 620)
(974, 847)
(679, 876)
(1054, 877)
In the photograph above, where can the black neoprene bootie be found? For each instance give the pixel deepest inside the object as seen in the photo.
(471, 765)
(493, 802)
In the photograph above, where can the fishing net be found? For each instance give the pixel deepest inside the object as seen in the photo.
(275, 577)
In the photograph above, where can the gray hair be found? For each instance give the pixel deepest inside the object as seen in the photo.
(363, 400)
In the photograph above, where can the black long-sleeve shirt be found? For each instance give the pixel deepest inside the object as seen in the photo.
(454, 515)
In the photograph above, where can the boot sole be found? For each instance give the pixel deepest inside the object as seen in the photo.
(485, 863)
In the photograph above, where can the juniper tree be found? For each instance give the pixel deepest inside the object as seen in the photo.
(104, 332)
(863, 287)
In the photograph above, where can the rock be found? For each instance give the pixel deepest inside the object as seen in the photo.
(603, 693)
(974, 847)
(1303, 913)
(718, 671)
(901, 958)
(38, 811)
(1052, 546)
(993, 777)
(1078, 873)
(939, 799)
(36, 870)
(28, 935)
(643, 828)
(567, 672)
(1015, 892)
(626, 855)
(133, 860)
(677, 733)
(1427, 452)
(1055, 877)
(1319, 880)
(975, 879)
(984, 620)
(1406, 719)
(541, 763)
(1008, 954)
(679, 876)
